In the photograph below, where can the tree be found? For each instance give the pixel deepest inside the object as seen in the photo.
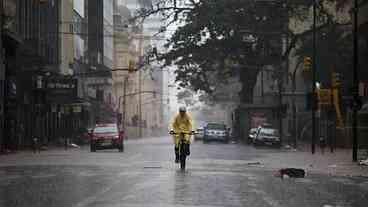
(215, 35)
(335, 46)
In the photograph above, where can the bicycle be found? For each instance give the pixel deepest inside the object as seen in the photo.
(182, 151)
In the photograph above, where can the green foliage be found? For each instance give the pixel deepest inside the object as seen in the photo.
(211, 34)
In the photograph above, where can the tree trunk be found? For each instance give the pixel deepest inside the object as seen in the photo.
(248, 78)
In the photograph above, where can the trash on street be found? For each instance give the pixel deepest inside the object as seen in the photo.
(253, 163)
(290, 172)
(363, 162)
(74, 145)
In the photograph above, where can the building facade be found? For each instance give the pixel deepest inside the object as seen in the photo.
(100, 54)
(56, 77)
(144, 88)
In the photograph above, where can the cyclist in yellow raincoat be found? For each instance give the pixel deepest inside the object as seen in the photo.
(182, 122)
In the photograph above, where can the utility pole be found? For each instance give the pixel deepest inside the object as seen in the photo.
(140, 102)
(124, 101)
(314, 130)
(140, 84)
(2, 79)
(355, 83)
(280, 104)
(262, 86)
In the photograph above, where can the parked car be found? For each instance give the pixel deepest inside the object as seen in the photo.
(252, 134)
(199, 134)
(267, 136)
(107, 136)
(216, 132)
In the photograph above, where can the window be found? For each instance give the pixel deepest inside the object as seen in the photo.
(106, 130)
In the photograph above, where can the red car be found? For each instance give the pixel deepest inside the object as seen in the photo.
(107, 136)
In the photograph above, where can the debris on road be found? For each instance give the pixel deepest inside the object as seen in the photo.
(74, 145)
(363, 162)
(290, 173)
(287, 146)
(253, 163)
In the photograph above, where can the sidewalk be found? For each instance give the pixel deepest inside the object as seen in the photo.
(338, 163)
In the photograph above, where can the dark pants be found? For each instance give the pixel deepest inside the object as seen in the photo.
(322, 144)
(186, 149)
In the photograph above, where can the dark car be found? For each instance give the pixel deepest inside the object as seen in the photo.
(216, 132)
(107, 136)
(267, 136)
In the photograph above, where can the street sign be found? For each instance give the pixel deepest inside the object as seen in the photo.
(61, 90)
(77, 109)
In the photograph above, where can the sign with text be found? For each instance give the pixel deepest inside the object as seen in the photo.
(324, 96)
(61, 90)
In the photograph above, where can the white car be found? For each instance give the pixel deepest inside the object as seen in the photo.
(252, 134)
(267, 136)
(216, 132)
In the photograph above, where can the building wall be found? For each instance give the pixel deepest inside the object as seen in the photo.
(100, 57)
(80, 22)
(66, 40)
(122, 55)
(141, 81)
(108, 31)
(95, 31)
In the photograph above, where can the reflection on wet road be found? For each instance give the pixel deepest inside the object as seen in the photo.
(217, 175)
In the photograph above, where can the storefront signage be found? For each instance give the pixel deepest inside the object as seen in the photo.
(61, 83)
(61, 90)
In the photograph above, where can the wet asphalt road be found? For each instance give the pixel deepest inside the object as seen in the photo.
(145, 175)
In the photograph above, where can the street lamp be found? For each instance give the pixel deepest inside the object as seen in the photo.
(355, 83)
(314, 76)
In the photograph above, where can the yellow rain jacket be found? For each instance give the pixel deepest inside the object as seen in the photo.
(182, 124)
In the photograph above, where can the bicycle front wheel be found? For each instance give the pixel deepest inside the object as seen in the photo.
(182, 161)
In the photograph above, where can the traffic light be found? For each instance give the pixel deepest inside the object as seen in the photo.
(335, 80)
(131, 67)
(307, 64)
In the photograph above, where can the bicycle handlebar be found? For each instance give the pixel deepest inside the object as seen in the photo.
(190, 133)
